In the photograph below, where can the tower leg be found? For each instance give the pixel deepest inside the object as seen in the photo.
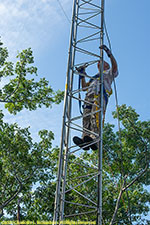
(72, 200)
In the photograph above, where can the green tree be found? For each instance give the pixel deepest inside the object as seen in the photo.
(126, 173)
(22, 90)
(28, 168)
(24, 164)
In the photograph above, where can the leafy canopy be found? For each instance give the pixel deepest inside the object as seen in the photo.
(22, 89)
(41, 161)
(28, 169)
(24, 164)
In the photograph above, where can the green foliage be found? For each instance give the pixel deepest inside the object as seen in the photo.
(35, 165)
(26, 166)
(29, 169)
(127, 159)
(22, 92)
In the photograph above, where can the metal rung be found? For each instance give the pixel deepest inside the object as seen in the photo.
(78, 214)
(83, 182)
(74, 203)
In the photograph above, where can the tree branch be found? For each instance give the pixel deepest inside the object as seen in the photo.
(1, 214)
(124, 188)
(136, 178)
(11, 198)
(17, 191)
(117, 204)
(13, 91)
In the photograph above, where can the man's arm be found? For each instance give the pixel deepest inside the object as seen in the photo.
(84, 84)
(112, 58)
(114, 64)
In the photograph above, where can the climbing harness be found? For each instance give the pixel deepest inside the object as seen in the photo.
(106, 93)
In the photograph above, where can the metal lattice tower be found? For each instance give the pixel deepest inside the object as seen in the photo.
(86, 37)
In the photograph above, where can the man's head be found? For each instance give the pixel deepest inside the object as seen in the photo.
(105, 65)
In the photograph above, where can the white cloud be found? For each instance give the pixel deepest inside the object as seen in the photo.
(38, 120)
(26, 23)
(33, 23)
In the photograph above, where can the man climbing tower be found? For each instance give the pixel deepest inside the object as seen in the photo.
(91, 104)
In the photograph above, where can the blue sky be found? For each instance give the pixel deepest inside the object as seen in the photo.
(42, 25)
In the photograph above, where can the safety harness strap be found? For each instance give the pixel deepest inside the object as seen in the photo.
(89, 106)
(80, 95)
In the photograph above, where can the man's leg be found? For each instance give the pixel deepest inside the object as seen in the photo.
(86, 127)
(86, 121)
(94, 122)
(95, 119)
